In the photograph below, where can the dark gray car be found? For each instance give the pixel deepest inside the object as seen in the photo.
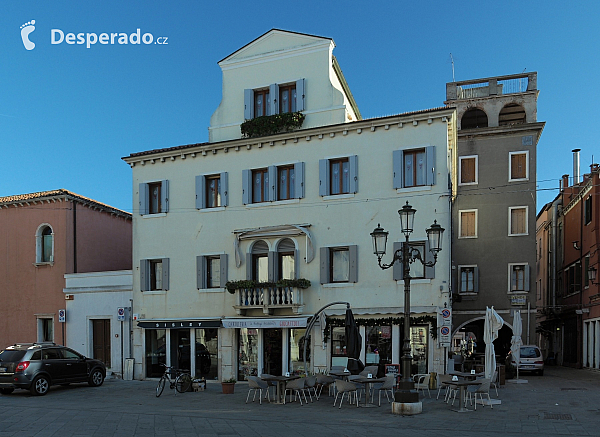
(37, 366)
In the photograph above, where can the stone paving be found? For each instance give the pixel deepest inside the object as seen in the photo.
(562, 402)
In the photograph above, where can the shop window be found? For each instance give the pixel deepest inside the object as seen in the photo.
(248, 353)
(419, 344)
(296, 352)
(339, 356)
(156, 352)
(378, 345)
(207, 353)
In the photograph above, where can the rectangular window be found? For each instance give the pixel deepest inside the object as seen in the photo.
(417, 270)
(338, 176)
(156, 352)
(467, 170)
(285, 182)
(339, 356)
(286, 265)
(211, 271)
(573, 278)
(587, 210)
(154, 274)
(287, 98)
(414, 167)
(260, 267)
(467, 224)
(296, 351)
(153, 197)
(517, 220)
(339, 264)
(212, 190)
(468, 279)
(586, 267)
(378, 345)
(519, 166)
(519, 277)
(262, 103)
(260, 185)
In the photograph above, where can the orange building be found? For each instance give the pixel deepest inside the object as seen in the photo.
(44, 236)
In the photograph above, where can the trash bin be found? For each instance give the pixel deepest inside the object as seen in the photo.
(128, 370)
(432, 380)
(501, 374)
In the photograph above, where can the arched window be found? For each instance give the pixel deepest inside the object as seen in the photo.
(260, 261)
(512, 113)
(44, 244)
(474, 118)
(286, 255)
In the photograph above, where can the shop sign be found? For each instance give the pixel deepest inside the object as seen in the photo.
(265, 323)
(180, 324)
(518, 300)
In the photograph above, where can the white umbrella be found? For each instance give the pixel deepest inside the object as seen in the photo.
(493, 323)
(515, 341)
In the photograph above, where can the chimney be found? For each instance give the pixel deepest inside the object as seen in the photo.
(575, 166)
(564, 182)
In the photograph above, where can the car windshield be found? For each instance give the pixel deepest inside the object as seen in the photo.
(11, 355)
(530, 352)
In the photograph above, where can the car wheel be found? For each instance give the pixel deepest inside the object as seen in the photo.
(96, 378)
(6, 391)
(40, 386)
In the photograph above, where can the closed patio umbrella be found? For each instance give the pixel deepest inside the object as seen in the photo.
(516, 342)
(493, 323)
(353, 344)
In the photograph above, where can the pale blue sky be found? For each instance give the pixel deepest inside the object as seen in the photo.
(69, 113)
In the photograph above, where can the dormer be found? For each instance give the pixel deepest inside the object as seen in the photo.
(281, 72)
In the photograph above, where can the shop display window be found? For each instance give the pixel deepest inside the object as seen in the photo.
(156, 352)
(248, 353)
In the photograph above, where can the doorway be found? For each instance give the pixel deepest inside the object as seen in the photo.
(101, 340)
(273, 351)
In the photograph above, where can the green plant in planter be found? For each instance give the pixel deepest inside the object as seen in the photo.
(229, 381)
(272, 124)
(231, 286)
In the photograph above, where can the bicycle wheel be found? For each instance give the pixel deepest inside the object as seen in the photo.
(183, 382)
(161, 385)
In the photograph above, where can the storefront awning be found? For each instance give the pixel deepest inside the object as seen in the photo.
(386, 311)
(179, 324)
(296, 322)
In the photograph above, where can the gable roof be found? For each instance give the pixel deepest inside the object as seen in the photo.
(60, 194)
(267, 34)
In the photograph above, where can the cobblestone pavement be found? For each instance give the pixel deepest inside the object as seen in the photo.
(562, 402)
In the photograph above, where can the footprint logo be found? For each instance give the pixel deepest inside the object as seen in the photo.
(26, 29)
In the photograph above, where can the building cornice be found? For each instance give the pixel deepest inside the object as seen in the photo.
(367, 126)
(537, 127)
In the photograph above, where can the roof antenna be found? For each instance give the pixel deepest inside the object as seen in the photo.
(452, 61)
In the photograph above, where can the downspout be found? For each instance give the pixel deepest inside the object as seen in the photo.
(74, 236)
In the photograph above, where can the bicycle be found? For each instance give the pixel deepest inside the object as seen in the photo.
(181, 381)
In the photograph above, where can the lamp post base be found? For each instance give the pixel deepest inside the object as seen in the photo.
(406, 396)
(407, 408)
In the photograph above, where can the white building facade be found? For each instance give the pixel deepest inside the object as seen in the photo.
(267, 212)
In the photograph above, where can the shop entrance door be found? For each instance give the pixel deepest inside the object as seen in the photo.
(273, 351)
(180, 349)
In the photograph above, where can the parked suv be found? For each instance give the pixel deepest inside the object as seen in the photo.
(37, 366)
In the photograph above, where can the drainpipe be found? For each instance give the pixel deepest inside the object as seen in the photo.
(74, 237)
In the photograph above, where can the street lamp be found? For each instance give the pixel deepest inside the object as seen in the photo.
(406, 255)
(592, 275)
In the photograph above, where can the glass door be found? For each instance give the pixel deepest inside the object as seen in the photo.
(273, 351)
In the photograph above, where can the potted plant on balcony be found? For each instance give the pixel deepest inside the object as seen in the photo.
(228, 386)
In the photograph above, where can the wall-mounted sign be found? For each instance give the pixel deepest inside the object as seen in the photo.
(121, 314)
(518, 300)
(180, 324)
(446, 314)
(445, 334)
(62, 316)
(265, 323)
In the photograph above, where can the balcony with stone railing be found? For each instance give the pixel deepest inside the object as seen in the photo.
(493, 86)
(268, 297)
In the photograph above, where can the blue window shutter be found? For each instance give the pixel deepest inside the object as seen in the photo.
(273, 266)
(224, 187)
(430, 160)
(249, 267)
(353, 161)
(324, 260)
(164, 196)
(200, 272)
(223, 264)
(165, 273)
(526, 278)
(144, 195)
(397, 271)
(274, 96)
(475, 279)
(296, 262)
(323, 177)
(248, 104)
(428, 256)
(299, 180)
(353, 258)
(144, 275)
(246, 187)
(398, 162)
(200, 190)
(272, 183)
(300, 95)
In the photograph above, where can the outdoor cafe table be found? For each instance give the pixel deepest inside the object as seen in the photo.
(343, 375)
(281, 381)
(462, 385)
(466, 375)
(367, 382)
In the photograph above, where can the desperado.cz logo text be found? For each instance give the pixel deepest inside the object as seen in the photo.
(57, 36)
